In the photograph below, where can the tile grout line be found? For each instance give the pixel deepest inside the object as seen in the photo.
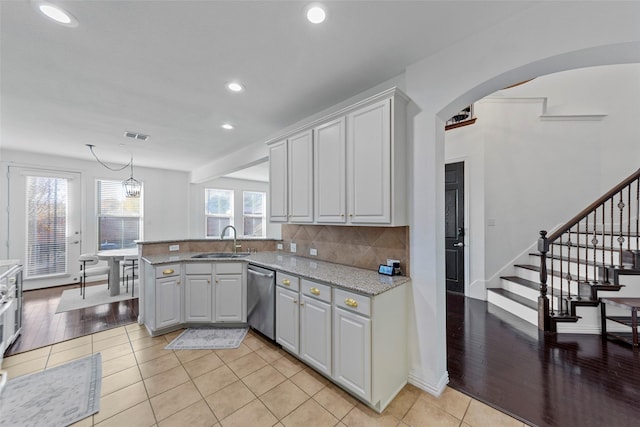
(155, 418)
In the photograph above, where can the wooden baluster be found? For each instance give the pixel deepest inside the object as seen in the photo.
(544, 320)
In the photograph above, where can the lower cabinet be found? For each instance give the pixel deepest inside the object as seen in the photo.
(288, 313)
(352, 344)
(212, 292)
(315, 326)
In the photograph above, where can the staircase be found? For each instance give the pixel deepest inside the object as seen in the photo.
(584, 260)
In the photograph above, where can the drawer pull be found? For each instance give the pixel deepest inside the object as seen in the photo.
(286, 282)
(315, 291)
(168, 271)
(351, 302)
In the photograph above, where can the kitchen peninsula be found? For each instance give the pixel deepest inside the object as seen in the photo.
(347, 323)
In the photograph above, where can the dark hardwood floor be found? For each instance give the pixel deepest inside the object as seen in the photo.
(542, 379)
(41, 325)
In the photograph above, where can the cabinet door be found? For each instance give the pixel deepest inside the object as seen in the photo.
(301, 177)
(287, 319)
(9, 320)
(315, 333)
(329, 154)
(228, 298)
(278, 189)
(369, 164)
(197, 298)
(352, 352)
(168, 301)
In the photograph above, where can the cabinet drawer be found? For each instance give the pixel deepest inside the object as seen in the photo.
(288, 281)
(229, 267)
(167, 270)
(198, 268)
(316, 290)
(353, 302)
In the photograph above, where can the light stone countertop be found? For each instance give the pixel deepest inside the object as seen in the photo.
(360, 280)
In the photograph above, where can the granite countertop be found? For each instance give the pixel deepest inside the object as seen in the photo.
(355, 279)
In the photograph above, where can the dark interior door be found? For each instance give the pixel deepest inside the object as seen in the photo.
(454, 226)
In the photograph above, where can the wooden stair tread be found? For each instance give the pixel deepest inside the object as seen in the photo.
(515, 297)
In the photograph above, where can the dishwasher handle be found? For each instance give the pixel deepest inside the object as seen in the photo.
(257, 273)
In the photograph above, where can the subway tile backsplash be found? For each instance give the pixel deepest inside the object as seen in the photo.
(365, 247)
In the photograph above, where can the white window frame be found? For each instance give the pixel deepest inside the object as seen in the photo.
(99, 215)
(208, 215)
(262, 216)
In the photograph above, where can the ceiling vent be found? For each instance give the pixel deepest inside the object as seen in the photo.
(138, 136)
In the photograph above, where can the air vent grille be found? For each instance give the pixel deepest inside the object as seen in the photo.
(135, 135)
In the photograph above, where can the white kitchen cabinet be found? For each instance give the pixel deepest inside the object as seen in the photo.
(197, 298)
(291, 179)
(315, 333)
(278, 190)
(352, 350)
(359, 166)
(230, 292)
(229, 298)
(167, 302)
(329, 165)
(287, 319)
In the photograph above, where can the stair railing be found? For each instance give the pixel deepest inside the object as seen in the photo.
(582, 251)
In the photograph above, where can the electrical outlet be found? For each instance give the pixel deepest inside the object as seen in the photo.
(391, 261)
(293, 247)
(279, 246)
(174, 247)
(313, 252)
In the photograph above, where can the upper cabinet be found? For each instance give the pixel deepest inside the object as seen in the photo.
(291, 179)
(346, 168)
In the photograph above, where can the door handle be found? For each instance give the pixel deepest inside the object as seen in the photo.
(459, 244)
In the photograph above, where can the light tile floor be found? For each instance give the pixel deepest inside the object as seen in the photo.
(255, 385)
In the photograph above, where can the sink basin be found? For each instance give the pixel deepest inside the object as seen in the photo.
(221, 255)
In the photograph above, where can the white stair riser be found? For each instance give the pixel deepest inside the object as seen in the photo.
(523, 291)
(513, 307)
(535, 276)
(581, 252)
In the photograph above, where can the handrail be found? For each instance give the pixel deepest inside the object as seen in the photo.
(579, 217)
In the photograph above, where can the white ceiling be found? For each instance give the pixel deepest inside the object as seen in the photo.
(160, 68)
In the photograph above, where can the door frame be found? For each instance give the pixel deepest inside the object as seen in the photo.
(73, 267)
(466, 161)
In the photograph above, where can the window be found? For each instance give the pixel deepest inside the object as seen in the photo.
(218, 206)
(119, 217)
(47, 215)
(253, 213)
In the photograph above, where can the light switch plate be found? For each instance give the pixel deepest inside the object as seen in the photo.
(313, 252)
(293, 247)
(279, 246)
(174, 247)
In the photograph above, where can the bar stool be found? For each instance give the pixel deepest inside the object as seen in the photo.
(130, 267)
(86, 260)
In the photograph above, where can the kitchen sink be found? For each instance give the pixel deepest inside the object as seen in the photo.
(221, 255)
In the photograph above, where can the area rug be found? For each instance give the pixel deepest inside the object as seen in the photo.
(94, 295)
(59, 396)
(208, 339)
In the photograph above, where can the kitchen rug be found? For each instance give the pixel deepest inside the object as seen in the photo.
(59, 396)
(94, 295)
(208, 339)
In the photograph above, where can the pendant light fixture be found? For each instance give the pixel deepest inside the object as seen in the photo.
(132, 187)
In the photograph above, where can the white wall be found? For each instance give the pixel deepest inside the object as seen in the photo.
(538, 174)
(196, 208)
(166, 196)
(547, 37)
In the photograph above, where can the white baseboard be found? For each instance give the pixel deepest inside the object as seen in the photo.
(416, 380)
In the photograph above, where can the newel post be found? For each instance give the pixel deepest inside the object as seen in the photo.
(544, 319)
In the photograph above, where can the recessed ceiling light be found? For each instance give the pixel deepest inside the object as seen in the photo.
(316, 14)
(227, 126)
(235, 87)
(56, 13)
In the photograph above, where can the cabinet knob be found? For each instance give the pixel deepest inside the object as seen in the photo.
(178, 282)
(286, 282)
(302, 304)
(167, 271)
(351, 302)
(208, 280)
(217, 281)
(315, 291)
(295, 301)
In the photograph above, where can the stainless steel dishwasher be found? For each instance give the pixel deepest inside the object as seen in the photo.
(261, 300)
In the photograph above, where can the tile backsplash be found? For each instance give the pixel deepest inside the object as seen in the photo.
(365, 247)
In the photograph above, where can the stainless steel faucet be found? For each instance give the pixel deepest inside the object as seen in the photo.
(235, 233)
